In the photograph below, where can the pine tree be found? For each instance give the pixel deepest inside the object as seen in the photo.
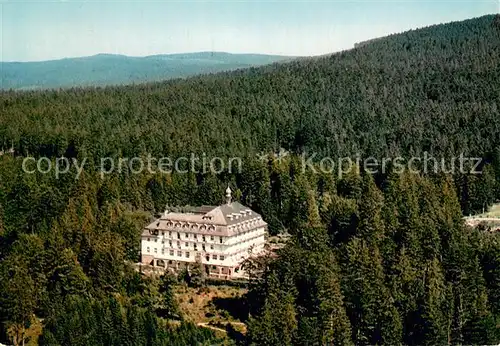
(370, 306)
(370, 225)
(197, 275)
(350, 184)
(2, 227)
(277, 321)
(436, 308)
(67, 277)
(334, 324)
(343, 214)
(19, 298)
(170, 305)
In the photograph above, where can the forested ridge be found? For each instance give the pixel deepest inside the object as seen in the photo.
(383, 259)
(434, 89)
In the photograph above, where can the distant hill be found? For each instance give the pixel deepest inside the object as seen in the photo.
(111, 69)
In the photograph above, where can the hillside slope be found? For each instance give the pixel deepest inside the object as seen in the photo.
(436, 89)
(110, 69)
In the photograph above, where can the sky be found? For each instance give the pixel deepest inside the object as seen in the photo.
(44, 30)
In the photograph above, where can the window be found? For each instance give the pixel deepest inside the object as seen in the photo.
(187, 254)
(162, 251)
(214, 267)
(187, 235)
(195, 236)
(179, 244)
(186, 244)
(220, 239)
(211, 237)
(204, 238)
(214, 257)
(179, 253)
(149, 239)
(207, 257)
(156, 250)
(147, 249)
(156, 240)
(221, 258)
(162, 233)
(169, 233)
(203, 246)
(171, 253)
(178, 236)
(211, 247)
(170, 243)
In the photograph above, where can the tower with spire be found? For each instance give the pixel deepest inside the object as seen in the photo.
(228, 195)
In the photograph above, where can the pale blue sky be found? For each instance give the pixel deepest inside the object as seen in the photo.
(41, 30)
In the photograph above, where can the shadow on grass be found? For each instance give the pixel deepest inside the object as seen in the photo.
(235, 335)
(236, 307)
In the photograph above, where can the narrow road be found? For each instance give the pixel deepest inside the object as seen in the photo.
(206, 325)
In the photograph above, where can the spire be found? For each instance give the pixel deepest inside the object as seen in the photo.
(228, 195)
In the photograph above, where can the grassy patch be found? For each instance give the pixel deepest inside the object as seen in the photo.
(494, 211)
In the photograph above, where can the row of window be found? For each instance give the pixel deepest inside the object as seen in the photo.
(186, 226)
(203, 238)
(195, 245)
(187, 254)
(243, 224)
(247, 237)
(195, 236)
(238, 254)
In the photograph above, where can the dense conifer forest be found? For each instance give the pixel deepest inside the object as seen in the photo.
(373, 259)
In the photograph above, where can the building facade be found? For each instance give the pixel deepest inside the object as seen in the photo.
(220, 238)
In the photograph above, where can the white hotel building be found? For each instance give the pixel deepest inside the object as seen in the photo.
(221, 238)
